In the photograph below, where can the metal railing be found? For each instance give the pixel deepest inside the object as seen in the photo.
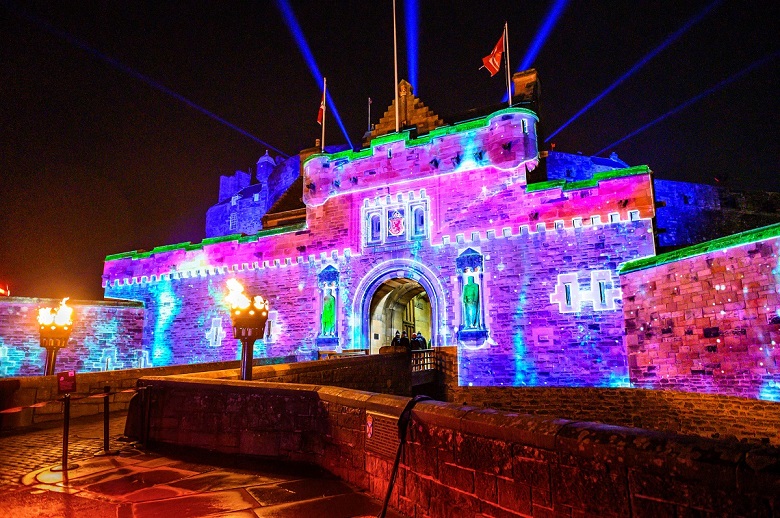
(423, 360)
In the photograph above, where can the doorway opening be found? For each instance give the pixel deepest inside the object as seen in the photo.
(398, 304)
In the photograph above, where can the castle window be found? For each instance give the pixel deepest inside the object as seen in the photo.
(376, 228)
(256, 197)
(233, 221)
(633, 215)
(525, 126)
(567, 293)
(419, 221)
(234, 200)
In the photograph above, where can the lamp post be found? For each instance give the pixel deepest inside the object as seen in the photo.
(55, 332)
(248, 318)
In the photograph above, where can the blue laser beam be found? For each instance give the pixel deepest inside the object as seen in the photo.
(548, 24)
(694, 99)
(133, 73)
(639, 64)
(544, 31)
(412, 22)
(297, 33)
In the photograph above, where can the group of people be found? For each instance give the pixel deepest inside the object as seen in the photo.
(402, 340)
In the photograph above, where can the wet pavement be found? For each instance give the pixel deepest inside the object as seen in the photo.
(166, 484)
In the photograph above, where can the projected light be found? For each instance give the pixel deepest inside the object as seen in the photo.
(694, 100)
(541, 35)
(134, 73)
(639, 64)
(412, 18)
(297, 33)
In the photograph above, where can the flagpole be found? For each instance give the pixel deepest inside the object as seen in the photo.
(369, 115)
(324, 108)
(508, 71)
(395, 63)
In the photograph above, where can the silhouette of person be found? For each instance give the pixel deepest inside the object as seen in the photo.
(397, 340)
(405, 341)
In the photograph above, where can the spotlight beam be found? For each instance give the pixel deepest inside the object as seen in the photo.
(69, 38)
(544, 31)
(412, 22)
(638, 65)
(541, 35)
(692, 100)
(297, 33)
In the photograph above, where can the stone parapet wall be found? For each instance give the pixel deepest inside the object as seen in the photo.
(705, 415)
(22, 392)
(462, 461)
(385, 373)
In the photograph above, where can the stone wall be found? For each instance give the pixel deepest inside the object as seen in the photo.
(671, 411)
(705, 318)
(461, 461)
(106, 335)
(384, 373)
(691, 213)
(22, 392)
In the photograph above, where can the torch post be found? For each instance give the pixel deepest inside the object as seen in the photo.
(248, 319)
(55, 331)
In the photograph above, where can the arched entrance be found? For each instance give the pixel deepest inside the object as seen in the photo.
(399, 305)
(386, 290)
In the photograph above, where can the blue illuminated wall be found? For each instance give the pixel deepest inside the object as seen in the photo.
(106, 336)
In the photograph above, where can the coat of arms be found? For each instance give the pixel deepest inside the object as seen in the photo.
(395, 223)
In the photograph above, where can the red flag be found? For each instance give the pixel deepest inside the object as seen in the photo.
(321, 113)
(493, 61)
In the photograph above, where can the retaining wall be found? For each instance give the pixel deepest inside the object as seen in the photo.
(462, 461)
(22, 392)
(690, 413)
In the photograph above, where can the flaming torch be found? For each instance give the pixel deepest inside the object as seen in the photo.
(249, 318)
(56, 326)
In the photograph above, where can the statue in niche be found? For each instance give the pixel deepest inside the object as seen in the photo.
(328, 314)
(471, 304)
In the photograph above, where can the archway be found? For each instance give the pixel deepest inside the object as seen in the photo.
(398, 304)
(411, 279)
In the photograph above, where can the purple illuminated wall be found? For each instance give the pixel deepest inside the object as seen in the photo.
(106, 336)
(440, 209)
(707, 318)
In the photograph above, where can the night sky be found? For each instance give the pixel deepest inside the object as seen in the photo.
(94, 161)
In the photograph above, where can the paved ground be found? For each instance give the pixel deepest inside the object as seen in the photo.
(143, 484)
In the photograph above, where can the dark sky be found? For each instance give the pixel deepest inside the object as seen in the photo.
(94, 161)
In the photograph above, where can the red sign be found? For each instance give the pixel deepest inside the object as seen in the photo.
(66, 382)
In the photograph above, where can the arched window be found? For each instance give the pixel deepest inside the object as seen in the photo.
(376, 228)
(419, 221)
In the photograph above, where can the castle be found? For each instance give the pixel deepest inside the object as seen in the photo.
(462, 230)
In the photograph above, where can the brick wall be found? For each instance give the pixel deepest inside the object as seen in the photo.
(461, 461)
(106, 335)
(705, 415)
(705, 319)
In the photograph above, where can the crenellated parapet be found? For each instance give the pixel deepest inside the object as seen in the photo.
(505, 140)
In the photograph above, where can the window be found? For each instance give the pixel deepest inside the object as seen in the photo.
(256, 197)
(419, 221)
(525, 126)
(567, 290)
(233, 220)
(234, 200)
(603, 293)
(376, 228)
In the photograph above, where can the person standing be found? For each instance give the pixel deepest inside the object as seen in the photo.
(405, 342)
(421, 343)
(397, 340)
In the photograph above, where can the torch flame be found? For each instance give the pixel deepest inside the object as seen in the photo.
(236, 297)
(61, 317)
